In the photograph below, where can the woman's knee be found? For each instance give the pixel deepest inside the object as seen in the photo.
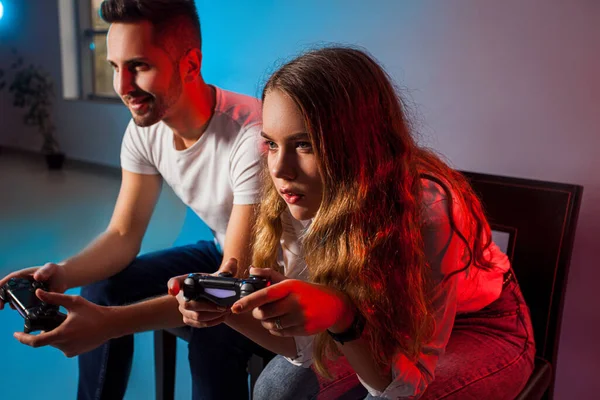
(283, 380)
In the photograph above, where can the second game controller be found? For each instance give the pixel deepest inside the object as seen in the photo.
(38, 316)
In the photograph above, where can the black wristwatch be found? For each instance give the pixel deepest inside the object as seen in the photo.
(353, 332)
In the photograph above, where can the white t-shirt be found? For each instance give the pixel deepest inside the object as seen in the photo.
(219, 170)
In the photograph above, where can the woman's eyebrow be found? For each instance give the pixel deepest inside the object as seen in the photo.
(295, 136)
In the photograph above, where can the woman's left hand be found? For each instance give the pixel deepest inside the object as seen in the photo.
(296, 308)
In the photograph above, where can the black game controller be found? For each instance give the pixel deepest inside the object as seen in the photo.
(223, 290)
(38, 315)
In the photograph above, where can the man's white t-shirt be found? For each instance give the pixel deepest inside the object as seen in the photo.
(219, 170)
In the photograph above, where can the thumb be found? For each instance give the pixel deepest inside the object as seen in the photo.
(268, 273)
(230, 266)
(45, 273)
(57, 299)
(175, 284)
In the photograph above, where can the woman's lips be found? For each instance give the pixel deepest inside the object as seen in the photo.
(291, 198)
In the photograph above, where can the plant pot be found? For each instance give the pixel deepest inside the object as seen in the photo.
(55, 160)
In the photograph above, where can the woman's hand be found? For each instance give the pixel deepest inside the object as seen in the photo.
(201, 313)
(292, 307)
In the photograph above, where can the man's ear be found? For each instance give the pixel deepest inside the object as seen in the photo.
(191, 65)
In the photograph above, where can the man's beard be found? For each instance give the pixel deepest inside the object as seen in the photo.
(158, 106)
(151, 114)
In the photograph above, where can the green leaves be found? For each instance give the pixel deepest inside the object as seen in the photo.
(32, 89)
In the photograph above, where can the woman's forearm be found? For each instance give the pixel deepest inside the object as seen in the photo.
(253, 330)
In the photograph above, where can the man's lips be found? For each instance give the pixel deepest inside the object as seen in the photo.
(138, 102)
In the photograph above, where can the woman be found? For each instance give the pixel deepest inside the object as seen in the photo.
(388, 262)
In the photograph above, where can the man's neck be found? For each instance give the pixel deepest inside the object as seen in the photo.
(191, 120)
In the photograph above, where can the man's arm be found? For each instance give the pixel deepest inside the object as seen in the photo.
(163, 312)
(132, 213)
(114, 249)
(238, 238)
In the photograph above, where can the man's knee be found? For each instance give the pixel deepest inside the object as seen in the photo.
(115, 290)
(104, 293)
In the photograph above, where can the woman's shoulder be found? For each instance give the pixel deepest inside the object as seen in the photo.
(432, 190)
(436, 193)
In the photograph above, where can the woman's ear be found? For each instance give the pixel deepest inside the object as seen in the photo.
(190, 65)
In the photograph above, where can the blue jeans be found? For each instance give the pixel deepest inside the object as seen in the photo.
(218, 356)
(490, 355)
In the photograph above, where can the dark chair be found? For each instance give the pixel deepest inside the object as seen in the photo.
(540, 219)
(165, 351)
(165, 341)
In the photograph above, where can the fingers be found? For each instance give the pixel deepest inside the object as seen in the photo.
(199, 305)
(210, 314)
(201, 314)
(285, 325)
(42, 339)
(230, 267)
(192, 319)
(24, 273)
(264, 296)
(58, 299)
(268, 273)
(297, 330)
(175, 284)
(47, 339)
(277, 308)
(283, 316)
(45, 273)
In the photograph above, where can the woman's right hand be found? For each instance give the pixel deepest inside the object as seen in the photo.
(201, 313)
(52, 274)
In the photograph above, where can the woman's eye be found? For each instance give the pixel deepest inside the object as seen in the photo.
(140, 67)
(270, 144)
(304, 145)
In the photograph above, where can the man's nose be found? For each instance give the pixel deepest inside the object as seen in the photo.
(123, 82)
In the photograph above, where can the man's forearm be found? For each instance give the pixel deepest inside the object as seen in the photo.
(149, 315)
(107, 255)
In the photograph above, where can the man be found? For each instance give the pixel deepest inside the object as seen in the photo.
(201, 140)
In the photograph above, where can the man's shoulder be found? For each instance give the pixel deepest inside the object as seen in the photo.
(243, 109)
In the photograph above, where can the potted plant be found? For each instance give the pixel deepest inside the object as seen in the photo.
(33, 90)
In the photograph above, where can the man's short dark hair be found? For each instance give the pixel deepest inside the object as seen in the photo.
(176, 22)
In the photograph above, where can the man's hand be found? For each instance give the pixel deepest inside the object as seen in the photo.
(203, 313)
(52, 274)
(86, 327)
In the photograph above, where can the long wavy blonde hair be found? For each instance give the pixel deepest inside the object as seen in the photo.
(366, 239)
